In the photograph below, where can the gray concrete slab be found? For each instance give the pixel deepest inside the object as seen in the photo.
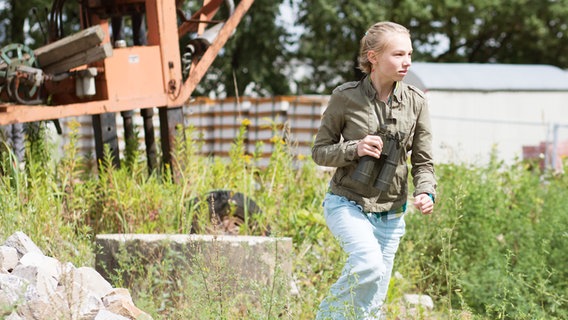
(253, 260)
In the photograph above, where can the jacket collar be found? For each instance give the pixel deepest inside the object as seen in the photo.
(371, 93)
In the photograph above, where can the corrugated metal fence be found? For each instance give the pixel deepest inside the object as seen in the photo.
(217, 124)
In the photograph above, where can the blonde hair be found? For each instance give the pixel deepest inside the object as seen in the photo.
(376, 40)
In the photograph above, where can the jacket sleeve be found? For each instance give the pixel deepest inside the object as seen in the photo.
(329, 147)
(421, 157)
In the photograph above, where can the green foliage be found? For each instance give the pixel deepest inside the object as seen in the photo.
(493, 249)
(488, 246)
(33, 201)
(483, 31)
(261, 56)
(330, 43)
(26, 22)
(502, 31)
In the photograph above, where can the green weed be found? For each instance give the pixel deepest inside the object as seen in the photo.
(495, 248)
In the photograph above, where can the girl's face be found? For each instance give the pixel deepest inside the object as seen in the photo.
(393, 63)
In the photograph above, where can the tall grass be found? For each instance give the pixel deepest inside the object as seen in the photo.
(495, 248)
(496, 244)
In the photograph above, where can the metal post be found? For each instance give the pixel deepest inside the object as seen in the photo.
(171, 119)
(104, 127)
(149, 138)
(554, 145)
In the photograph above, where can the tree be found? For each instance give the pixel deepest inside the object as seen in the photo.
(254, 59)
(330, 43)
(26, 22)
(257, 59)
(504, 31)
(15, 15)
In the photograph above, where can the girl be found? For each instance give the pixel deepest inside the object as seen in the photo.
(368, 130)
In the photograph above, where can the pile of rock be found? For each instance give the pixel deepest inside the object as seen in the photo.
(34, 286)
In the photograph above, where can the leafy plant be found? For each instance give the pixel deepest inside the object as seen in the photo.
(495, 248)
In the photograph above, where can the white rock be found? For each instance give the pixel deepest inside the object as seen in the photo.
(34, 286)
(49, 266)
(8, 258)
(13, 316)
(39, 278)
(17, 289)
(107, 315)
(22, 243)
(419, 300)
(82, 302)
(92, 281)
(43, 310)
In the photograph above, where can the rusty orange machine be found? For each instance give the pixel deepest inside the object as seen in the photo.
(155, 73)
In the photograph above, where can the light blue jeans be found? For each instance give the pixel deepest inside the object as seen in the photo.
(370, 242)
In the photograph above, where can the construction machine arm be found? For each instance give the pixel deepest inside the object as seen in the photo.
(199, 68)
(125, 78)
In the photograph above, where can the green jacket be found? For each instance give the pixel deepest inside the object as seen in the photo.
(352, 113)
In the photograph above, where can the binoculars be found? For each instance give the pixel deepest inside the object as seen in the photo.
(381, 171)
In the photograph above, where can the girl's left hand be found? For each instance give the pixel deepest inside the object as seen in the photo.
(424, 203)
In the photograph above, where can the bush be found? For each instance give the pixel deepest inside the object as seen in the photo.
(495, 246)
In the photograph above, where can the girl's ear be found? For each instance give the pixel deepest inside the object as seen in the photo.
(372, 57)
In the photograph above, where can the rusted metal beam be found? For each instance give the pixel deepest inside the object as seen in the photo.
(200, 69)
(202, 15)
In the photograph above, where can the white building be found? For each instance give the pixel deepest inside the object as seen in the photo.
(477, 108)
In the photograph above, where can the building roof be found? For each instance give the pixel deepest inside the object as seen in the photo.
(486, 77)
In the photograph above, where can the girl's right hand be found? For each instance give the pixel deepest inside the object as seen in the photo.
(371, 145)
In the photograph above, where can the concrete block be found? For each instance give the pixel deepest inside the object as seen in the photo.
(244, 259)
